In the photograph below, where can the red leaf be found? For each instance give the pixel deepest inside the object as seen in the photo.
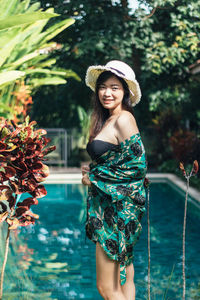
(3, 158)
(14, 186)
(31, 185)
(45, 171)
(40, 132)
(45, 140)
(31, 214)
(48, 150)
(21, 166)
(31, 146)
(26, 221)
(20, 211)
(10, 171)
(29, 131)
(6, 194)
(32, 123)
(2, 146)
(11, 201)
(39, 192)
(2, 187)
(24, 175)
(19, 155)
(38, 147)
(146, 182)
(37, 166)
(38, 177)
(15, 133)
(181, 166)
(28, 202)
(195, 168)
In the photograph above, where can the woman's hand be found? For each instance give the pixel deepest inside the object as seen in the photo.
(85, 178)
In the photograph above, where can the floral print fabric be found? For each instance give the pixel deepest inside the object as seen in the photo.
(116, 200)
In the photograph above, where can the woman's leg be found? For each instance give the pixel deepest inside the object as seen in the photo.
(128, 288)
(108, 283)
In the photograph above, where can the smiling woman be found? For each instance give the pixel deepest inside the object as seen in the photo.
(116, 194)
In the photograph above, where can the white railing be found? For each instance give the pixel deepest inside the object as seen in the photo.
(58, 138)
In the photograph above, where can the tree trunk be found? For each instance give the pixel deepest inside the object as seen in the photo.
(124, 3)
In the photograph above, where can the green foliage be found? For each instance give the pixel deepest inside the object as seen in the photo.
(169, 44)
(91, 41)
(169, 166)
(159, 40)
(21, 19)
(168, 96)
(160, 48)
(7, 77)
(84, 119)
(26, 39)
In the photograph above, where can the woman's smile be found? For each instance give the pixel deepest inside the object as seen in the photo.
(107, 101)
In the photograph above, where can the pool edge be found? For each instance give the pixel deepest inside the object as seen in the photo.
(56, 178)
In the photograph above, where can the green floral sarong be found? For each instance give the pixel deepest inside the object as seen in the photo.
(116, 200)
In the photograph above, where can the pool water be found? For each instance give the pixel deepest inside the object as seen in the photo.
(52, 260)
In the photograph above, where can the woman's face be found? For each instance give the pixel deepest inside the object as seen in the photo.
(111, 93)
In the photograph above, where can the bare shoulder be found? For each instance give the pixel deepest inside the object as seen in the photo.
(126, 119)
(125, 125)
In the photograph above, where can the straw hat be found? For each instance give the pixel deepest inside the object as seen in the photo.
(120, 69)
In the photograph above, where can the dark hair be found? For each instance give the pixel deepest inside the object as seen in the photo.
(101, 114)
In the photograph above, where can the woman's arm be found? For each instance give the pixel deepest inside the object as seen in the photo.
(85, 179)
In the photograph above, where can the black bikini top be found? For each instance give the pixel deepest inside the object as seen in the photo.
(97, 147)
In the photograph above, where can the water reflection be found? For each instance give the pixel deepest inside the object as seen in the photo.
(51, 260)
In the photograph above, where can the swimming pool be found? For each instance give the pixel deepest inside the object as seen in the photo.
(52, 260)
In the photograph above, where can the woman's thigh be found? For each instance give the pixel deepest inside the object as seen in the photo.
(108, 270)
(130, 272)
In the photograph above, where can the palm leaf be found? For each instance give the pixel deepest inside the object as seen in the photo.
(33, 7)
(57, 28)
(47, 81)
(24, 59)
(45, 71)
(7, 77)
(8, 7)
(22, 19)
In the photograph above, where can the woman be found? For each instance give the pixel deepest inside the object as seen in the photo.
(115, 178)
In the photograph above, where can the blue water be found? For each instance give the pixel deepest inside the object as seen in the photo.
(56, 262)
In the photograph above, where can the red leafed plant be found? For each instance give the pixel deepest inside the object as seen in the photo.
(22, 153)
(187, 175)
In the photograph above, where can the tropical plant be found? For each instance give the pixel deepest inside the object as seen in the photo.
(84, 119)
(187, 175)
(26, 46)
(159, 39)
(22, 152)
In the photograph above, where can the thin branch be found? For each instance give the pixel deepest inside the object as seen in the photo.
(4, 264)
(124, 3)
(149, 256)
(150, 15)
(184, 228)
(153, 12)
